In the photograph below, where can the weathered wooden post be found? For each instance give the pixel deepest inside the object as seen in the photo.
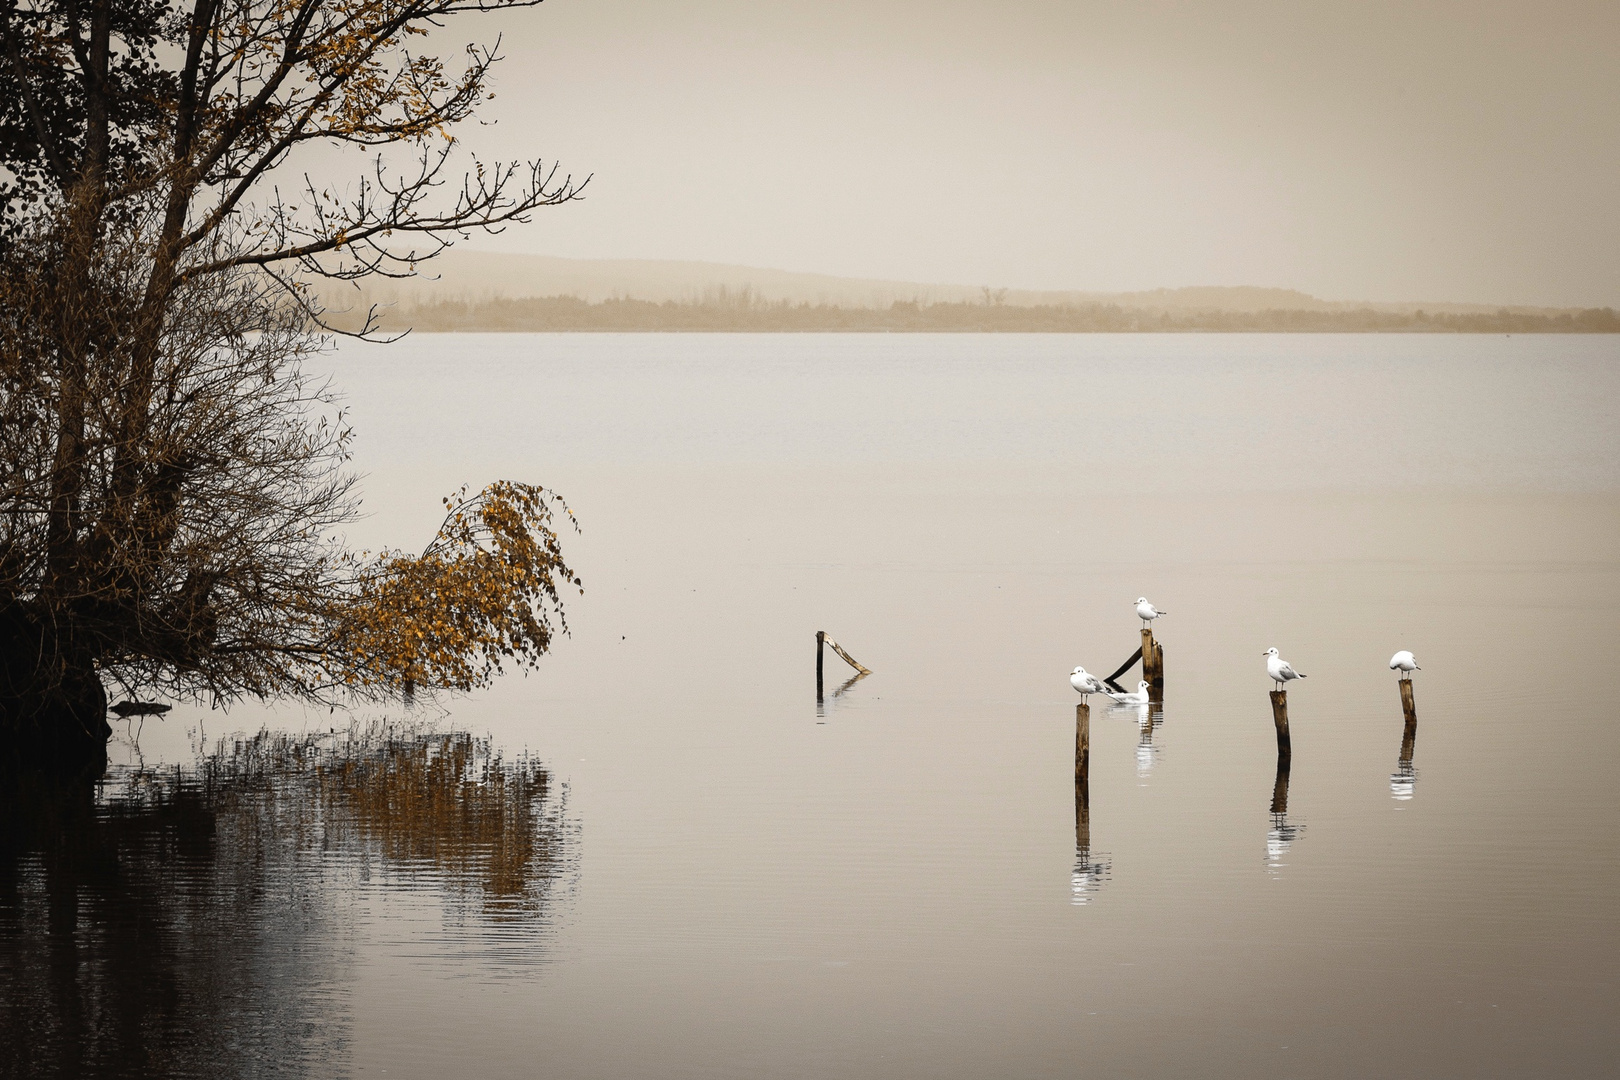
(1152, 665)
(1409, 708)
(1279, 716)
(1082, 778)
(1082, 740)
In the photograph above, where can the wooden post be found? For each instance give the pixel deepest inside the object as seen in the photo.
(1156, 684)
(821, 637)
(1279, 715)
(1147, 659)
(1409, 708)
(1082, 740)
(1082, 777)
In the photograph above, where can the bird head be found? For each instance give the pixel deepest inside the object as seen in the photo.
(1270, 652)
(1141, 599)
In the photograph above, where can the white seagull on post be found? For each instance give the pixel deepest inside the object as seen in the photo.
(1279, 669)
(1404, 662)
(1087, 683)
(1138, 698)
(1146, 611)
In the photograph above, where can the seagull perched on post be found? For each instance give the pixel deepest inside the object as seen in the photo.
(1138, 698)
(1087, 683)
(1404, 661)
(1279, 669)
(1146, 611)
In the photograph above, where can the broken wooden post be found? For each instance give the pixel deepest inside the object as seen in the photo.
(1279, 715)
(1156, 684)
(1408, 705)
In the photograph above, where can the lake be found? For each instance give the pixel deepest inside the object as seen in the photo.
(658, 855)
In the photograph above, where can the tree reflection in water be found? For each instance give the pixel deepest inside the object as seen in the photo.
(187, 921)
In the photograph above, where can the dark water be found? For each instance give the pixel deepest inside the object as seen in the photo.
(657, 856)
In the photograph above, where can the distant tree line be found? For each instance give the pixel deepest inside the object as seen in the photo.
(741, 312)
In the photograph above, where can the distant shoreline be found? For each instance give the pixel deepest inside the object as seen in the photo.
(745, 314)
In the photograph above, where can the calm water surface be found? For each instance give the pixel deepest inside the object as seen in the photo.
(657, 856)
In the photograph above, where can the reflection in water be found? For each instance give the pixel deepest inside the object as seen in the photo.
(821, 703)
(1089, 872)
(188, 921)
(1148, 719)
(1282, 835)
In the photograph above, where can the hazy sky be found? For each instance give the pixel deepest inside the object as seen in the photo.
(1361, 149)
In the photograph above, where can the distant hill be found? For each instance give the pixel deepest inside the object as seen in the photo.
(471, 290)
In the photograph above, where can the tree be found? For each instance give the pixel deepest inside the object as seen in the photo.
(171, 480)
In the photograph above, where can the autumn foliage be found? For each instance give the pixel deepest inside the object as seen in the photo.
(483, 594)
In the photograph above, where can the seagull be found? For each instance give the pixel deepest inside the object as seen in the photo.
(1279, 669)
(1138, 698)
(1404, 661)
(1087, 683)
(1146, 611)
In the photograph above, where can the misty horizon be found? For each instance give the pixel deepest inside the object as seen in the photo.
(1218, 295)
(1359, 152)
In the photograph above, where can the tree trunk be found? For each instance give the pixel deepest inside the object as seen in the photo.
(53, 708)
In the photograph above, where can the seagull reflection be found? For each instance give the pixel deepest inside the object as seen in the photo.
(1282, 834)
(1148, 720)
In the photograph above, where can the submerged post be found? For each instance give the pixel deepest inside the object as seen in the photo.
(1279, 715)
